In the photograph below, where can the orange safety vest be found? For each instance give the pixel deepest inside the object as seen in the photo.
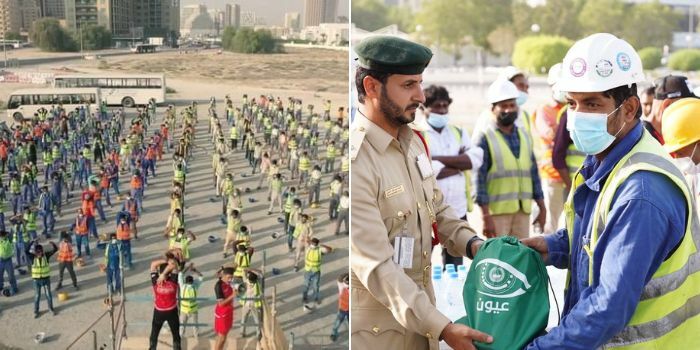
(150, 153)
(96, 195)
(131, 207)
(136, 183)
(88, 207)
(343, 303)
(123, 232)
(81, 226)
(65, 252)
(104, 181)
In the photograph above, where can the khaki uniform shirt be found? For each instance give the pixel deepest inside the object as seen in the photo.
(393, 307)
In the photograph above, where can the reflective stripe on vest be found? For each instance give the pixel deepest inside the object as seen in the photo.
(669, 306)
(188, 299)
(30, 221)
(179, 176)
(40, 268)
(466, 173)
(509, 183)
(289, 202)
(304, 164)
(65, 252)
(574, 159)
(313, 260)
(345, 164)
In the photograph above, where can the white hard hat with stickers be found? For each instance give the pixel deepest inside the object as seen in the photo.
(501, 90)
(598, 63)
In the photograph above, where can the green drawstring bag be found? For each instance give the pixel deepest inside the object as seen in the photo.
(505, 294)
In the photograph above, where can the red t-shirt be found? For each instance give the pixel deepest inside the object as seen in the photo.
(165, 294)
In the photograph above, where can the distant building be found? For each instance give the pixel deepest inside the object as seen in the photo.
(320, 11)
(30, 11)
(53, 8)
(248, 19)
(232, 15)
(10, 19)
(156, 18)
(292, 21)
(198, 21)
(334, 34)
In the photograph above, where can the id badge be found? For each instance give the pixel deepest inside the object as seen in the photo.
(424, 166)
(403, 250)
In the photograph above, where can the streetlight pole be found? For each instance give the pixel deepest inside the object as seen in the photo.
(4, 46)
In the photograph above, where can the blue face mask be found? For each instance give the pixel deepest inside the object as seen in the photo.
(589, 131)
(438, 121)
(522, 98)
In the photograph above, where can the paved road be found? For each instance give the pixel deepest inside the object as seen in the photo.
(311, 330)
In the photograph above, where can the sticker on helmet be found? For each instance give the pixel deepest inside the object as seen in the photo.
(604, 68)
(577, 67)
(624, 61)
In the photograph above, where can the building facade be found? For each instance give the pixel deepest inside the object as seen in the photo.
(320, 11)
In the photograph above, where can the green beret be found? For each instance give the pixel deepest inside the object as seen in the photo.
(390, 54)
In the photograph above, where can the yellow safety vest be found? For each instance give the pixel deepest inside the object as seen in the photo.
(467, 174)
(234, 133)
(345, 164)
(313, 260)
(666, 315)
(304, 164)
(242, 263)
(574, 158)
(40, 268)
(509, 183)
(188, 299)
(257, 293)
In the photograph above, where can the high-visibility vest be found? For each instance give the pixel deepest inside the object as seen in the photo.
(335, 187)
(182, 243)
(345, 166)
(244, 238)
(509, 183)
(179, 176)
(87, 154)
(81, 226)
(132, 208)
(343, 300)
(15, 186)
(65, 252)
(233, 135)
(55, 152)
(304, 163)
(330, 152)
(289, 202)
(6, 249)
(665, 315)
(40, 268)
(30, 221)
(574, 157)
(255, 293)
(467, 174)
(123, 231)
(242, 263)
(313, 260)
(136, 183)
(292, 144)
(544, 160)
(276, 185)
(188, 299)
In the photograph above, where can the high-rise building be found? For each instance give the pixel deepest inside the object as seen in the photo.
(53, 8)
(82, 13)
(196, 21)
(248, 19)
(292, 20)
(320, 11)
(232, 15)
(10, 19)
(156, 18)
(30, 11)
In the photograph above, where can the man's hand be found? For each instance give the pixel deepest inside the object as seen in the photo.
(489, 226)
(538, 244)
(541, 218)
(475, 246)
(461, 337)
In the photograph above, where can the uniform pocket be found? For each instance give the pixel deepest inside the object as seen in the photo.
(376, 329)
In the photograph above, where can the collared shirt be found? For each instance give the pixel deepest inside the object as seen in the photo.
(513, 141)
(445, 143)
(645, 223)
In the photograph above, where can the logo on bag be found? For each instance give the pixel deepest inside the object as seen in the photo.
(500, 279)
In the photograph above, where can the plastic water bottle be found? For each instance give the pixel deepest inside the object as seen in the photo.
(438, 287)
(462, 273)
(453, 296)
(459, 290)
(449, 268)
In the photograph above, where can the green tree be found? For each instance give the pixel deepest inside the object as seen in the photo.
(538, 53)
(650, 24)
(651, 57)
(247, 40)
(502, 40)
(227, 38)
(14, 36)
(402, 17)
(369, 14)
(94, 37)
(685, 60)
(602, 16)
(48, 35)
(559, 18)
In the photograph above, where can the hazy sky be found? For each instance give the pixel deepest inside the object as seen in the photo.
(272, 10)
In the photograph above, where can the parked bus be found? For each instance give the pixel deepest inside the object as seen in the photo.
(128, 90)
(144, 48)
(22, 104)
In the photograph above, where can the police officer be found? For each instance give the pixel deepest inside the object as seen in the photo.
(396, 202)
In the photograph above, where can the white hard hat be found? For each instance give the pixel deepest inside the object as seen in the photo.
(554, 74)
(501, 90)
(598, 63)
(509, 72)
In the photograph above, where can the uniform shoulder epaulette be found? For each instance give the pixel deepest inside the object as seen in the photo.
(357, 136)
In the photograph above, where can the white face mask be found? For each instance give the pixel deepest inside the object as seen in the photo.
(687, 165)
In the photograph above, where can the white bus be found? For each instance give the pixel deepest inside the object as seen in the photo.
(22, 104)
(128, 90)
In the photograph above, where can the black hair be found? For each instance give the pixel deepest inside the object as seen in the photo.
(315, 241)
(228, 270)
(434, 93)
(360, 75)
(649, 91)
(162, 267)
(622, 93)
(189, 279)
(252, 276)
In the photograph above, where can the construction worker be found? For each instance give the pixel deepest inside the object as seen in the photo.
(679, 128)
(131, 206)
(647, 98)
(242, 257)
(331, 153)
(16, 191)
(174, 223)
(289, 197)
(628, 249)
(137, 188)
(114, 263)
(182, 241)
(226, 191)
(394, 175)
(522, 120)
(312, 274)
(304, 169)
(124, 237)
(233, 225)
(6, 254)
(46, 208)
(189, 306)
(29, 219)
(294, 218)
(343, 304)
(343, 213)
(303, 232)
(667, 90)
(507, 181)
(65, 261)
(88, 207)
(315, 187)
(335, 186)
(452, 155)
(20, 240)
(41, 274)
(252, 304)
(545, 121)
(165, 288)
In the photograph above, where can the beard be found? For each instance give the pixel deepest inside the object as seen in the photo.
(393, 112)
